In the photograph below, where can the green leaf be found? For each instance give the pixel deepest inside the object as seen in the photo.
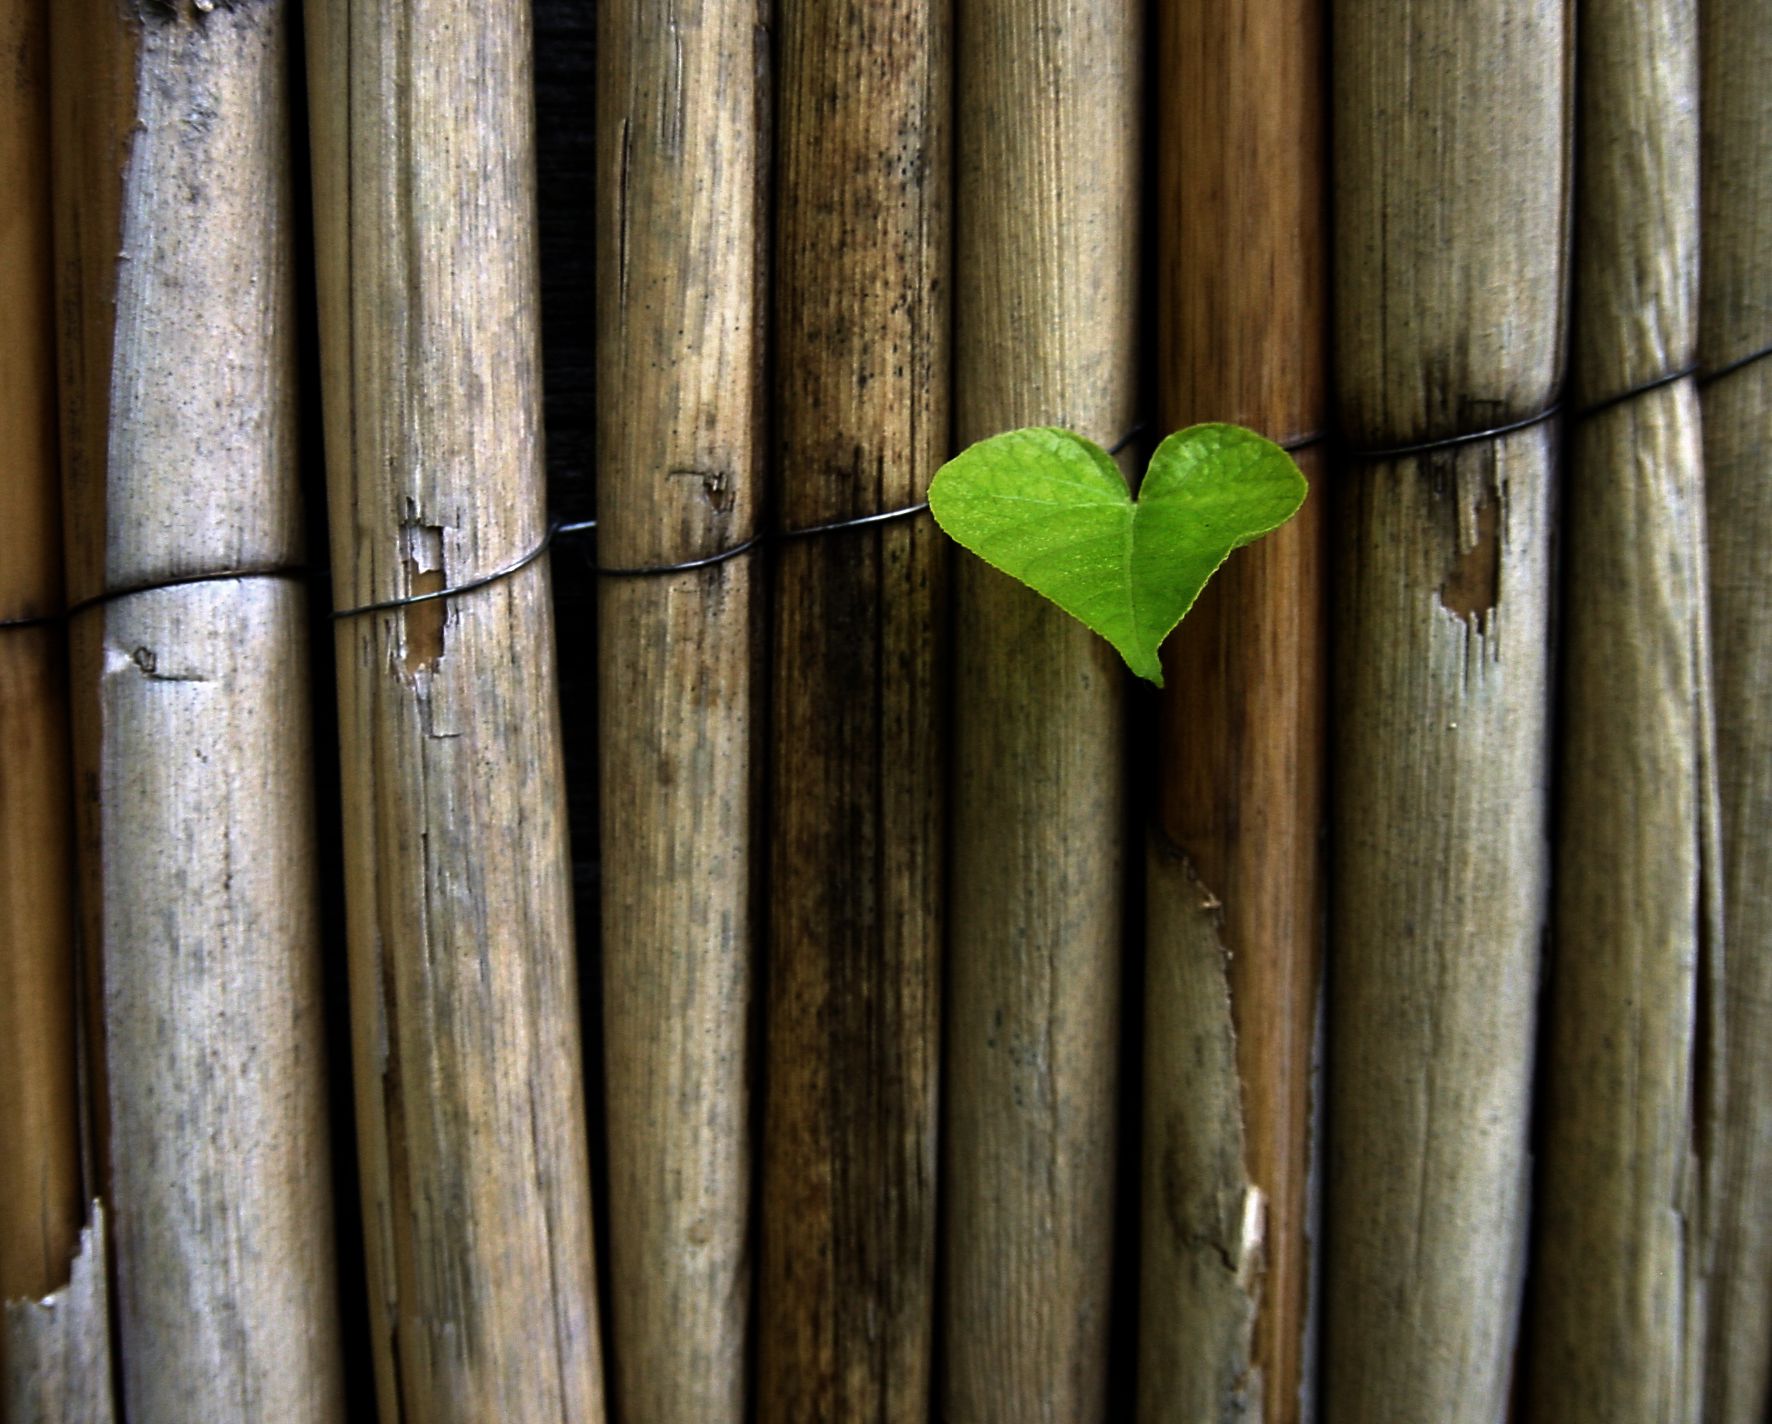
(1051, 509)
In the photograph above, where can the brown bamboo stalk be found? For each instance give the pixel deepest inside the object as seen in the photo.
(1233, 937)
(1736, 322)
(191, 716)
(846, 1313)
(682, 157)
(1046, 240)
(1451, 186)
(58, 1360)
(470, 1100)
(39, 1130)
(1620, 1224)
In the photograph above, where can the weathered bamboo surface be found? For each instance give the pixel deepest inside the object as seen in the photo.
(57, 1348)
(682, 156)
(847, 1307)
(470, 1100)
(191, 714)
(1046, 206)
(1451, 185)
(39, 1128)
(1233, 938)
(1621, 1221)
(1735, 323)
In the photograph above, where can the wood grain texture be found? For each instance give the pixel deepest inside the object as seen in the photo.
(57, 1348)
(470, 1099)
(39, 1125)
(191, 715)
(846, 1313)
(1621, 1223)
(1451, 187)
(1735, 322)
(1046, 208)
(682, 157)
(1242, 336)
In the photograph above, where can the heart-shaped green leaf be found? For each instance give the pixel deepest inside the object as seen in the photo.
(1051, 509)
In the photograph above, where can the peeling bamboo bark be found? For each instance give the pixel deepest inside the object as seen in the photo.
(682, 157)
(1735, 323)
(191, 716)
(846, 1314)
(1451, 190)
(57, 1348)
(470, 1107)
(1242, 336)
(39, 1126)
(1046, 240)
(1620, 1224)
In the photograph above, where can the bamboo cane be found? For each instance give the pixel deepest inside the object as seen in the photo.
(191, 717)
(846, 1313)
(1233, 938)
(1736, 323)
(470, 1104)
(680, 407)
(1451, 189)
(39, 1134)
(1046, 241)
(1620, 1232)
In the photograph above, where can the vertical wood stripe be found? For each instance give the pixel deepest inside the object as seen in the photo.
(39, 1161)
(470, 1107)
(1242, 335)
(1736, 321)
(847, 1306)
(1451, 185)
(1046, 205)
(191, 715)
(682, 160)
(1621, 1223)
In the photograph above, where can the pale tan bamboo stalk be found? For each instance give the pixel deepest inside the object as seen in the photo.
(191, 715)
(1233, 937)
(847, 1308)
(39, 1128)
(1735, 323)
(1451, 186)
(470, 1099)
(58, 1356)
(1620, 1221)
(1046, 207)
(680, 341)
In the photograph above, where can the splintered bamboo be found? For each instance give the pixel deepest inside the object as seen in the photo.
(191, 718)
(1045, 325)
(1620, 1224)
(58, 1356)
(470, 1099)
(39, 1158)
(1450, 198)
(681, 159)
(1735, 326)
(846, 1313)
(1233, 939)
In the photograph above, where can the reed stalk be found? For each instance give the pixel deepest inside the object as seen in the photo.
(1234, 887)
(470, 1097)
(682, 157)
(191, 713)
(1046, 205)
(1621, 1221)
(1451, 190)
(1735, 322)
(861, 280)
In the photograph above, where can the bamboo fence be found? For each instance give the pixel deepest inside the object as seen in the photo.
(1370, 1027)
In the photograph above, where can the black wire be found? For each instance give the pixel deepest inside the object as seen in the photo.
(1731, 367)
